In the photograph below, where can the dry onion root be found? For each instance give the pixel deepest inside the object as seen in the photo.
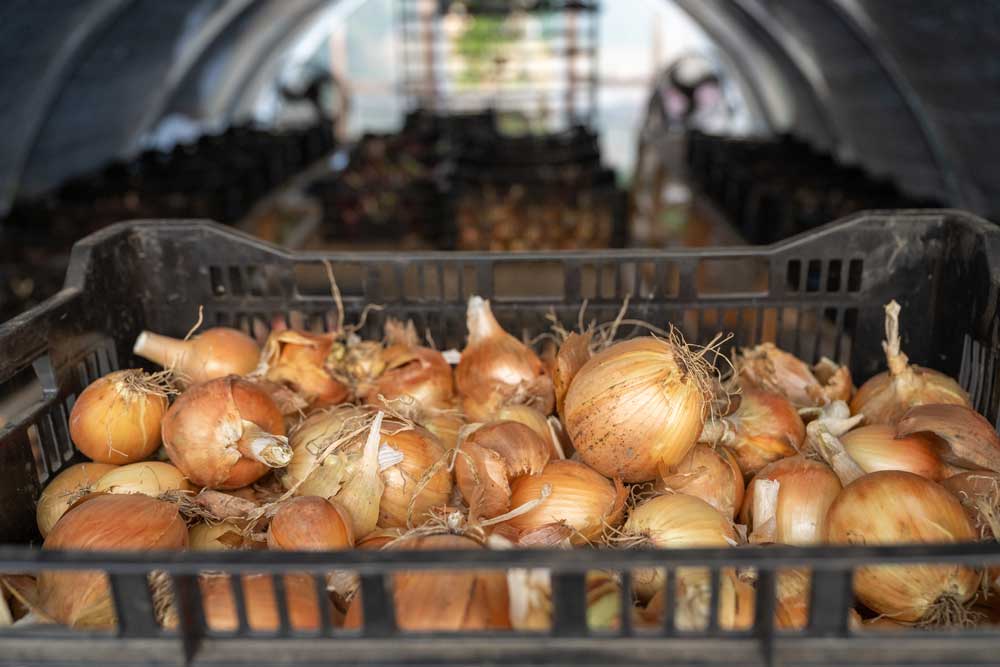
(637, 405)
(884, 398)
(215, 353)
(892, 507)
(800, 496)
(709, 473)
(116, 419)
(65, 489)
(764, 428)
(772, 369)
(225, 434)
(496, 369)
(298, 360)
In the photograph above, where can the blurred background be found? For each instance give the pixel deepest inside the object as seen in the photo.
(485, 124)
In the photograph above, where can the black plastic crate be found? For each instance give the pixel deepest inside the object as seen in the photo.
(820, 293)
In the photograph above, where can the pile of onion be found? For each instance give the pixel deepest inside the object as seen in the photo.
(638, 405)
(497, 369)
(212, 354)
(884, 398)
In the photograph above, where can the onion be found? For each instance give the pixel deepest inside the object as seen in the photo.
(796, 511)
(528, 416)
(968, 439)
(225, 434)
(875, 447)
(884, 398)
(153, 478)
(412, 487)
(791, 609)
(891, 507)
(418, 372)
(334, 429)
(65, 489)
(260, 602)
(497, 369)
(764, 428)
(103, 523)
(215, 353)
(448, 601)
(445, 426)
(493, 455)
(116, 419)
(772, 369)
(531, 599)
(310, 523)
(361, 494)
(567, 492)
(693, 602)
(298, 360)
(637, 405)
(223, 536)
(979, 493)
(573, 354)
(709, 473)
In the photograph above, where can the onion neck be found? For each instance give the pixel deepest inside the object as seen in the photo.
(895, 357)
(163, 350)
(480, 320)
(717, 432)
(259, 445)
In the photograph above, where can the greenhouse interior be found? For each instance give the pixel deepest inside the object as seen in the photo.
(381, 287)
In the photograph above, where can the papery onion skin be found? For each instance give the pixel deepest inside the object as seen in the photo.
(404, 502)
(116, 419)
(298, 359)
(965, 437)
(310, 439)
(446, 601)
(152, 478)
(418, 372)
(214, 537)
(875, 447)
(260, 602)
(579, 496)
(529, 416)
(103, 523)
(573, 354)
(791, 611)
(496, 368)
(635, 406)
(523, 450)
(310, 523)
(677, 520)
(806, 490)
(766, 427)
(203, 426)
(64, 489)
(481, 476)
(212, 354)
(895, 507)
(445, 426)
(709, 473)
(772, 369)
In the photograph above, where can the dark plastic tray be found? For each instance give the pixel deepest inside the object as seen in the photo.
(820, 293)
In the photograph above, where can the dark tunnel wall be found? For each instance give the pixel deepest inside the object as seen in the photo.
(908, 88)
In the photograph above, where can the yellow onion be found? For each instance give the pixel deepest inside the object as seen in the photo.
(298, 359)
(772, 369)
(225, 433)
(331, 432)
(117, 417)
(260, 602)
(796, 511)
(764, 428)
(212, 354)
(884, 398)
(573, 354)
(492, 456)
(310, 523)
(82, 599)
(291, 404)
(223, 536)
(567, 492)
(497, 369)
(531, 599)
(693, 602)
(875, 447)
(65, 489)
(153, 478)
(791, 609)
(418, 372)
(411, 487)
(637, 405)
(530, 417)
(445, 425)
(979, 493)
(709, 473)
(967, 439)
(892, 507)
(446, 601)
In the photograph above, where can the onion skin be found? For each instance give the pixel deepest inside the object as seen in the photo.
(310, 523)
(967, 438)
(772, 369)
(573, 354)
(212, 354)
(116, 420)
(298, 359)
(497, 369)
(224, 536)
(64, 489)
(791, 611)
(709, 473)
(806, 490)
(875, 447)
(481, 476)
(979, 493)
(153, 478)
(418, 372)
(445, 601)
(421, 450)
(444, 426)
(310, 439)
(895, 507)
(103, 523)
(766, 427)
(524, 452)
(635, 406)
(579, 497)
(203, 429)
(261, 608)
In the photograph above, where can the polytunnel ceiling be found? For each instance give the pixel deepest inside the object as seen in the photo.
(910, 89)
